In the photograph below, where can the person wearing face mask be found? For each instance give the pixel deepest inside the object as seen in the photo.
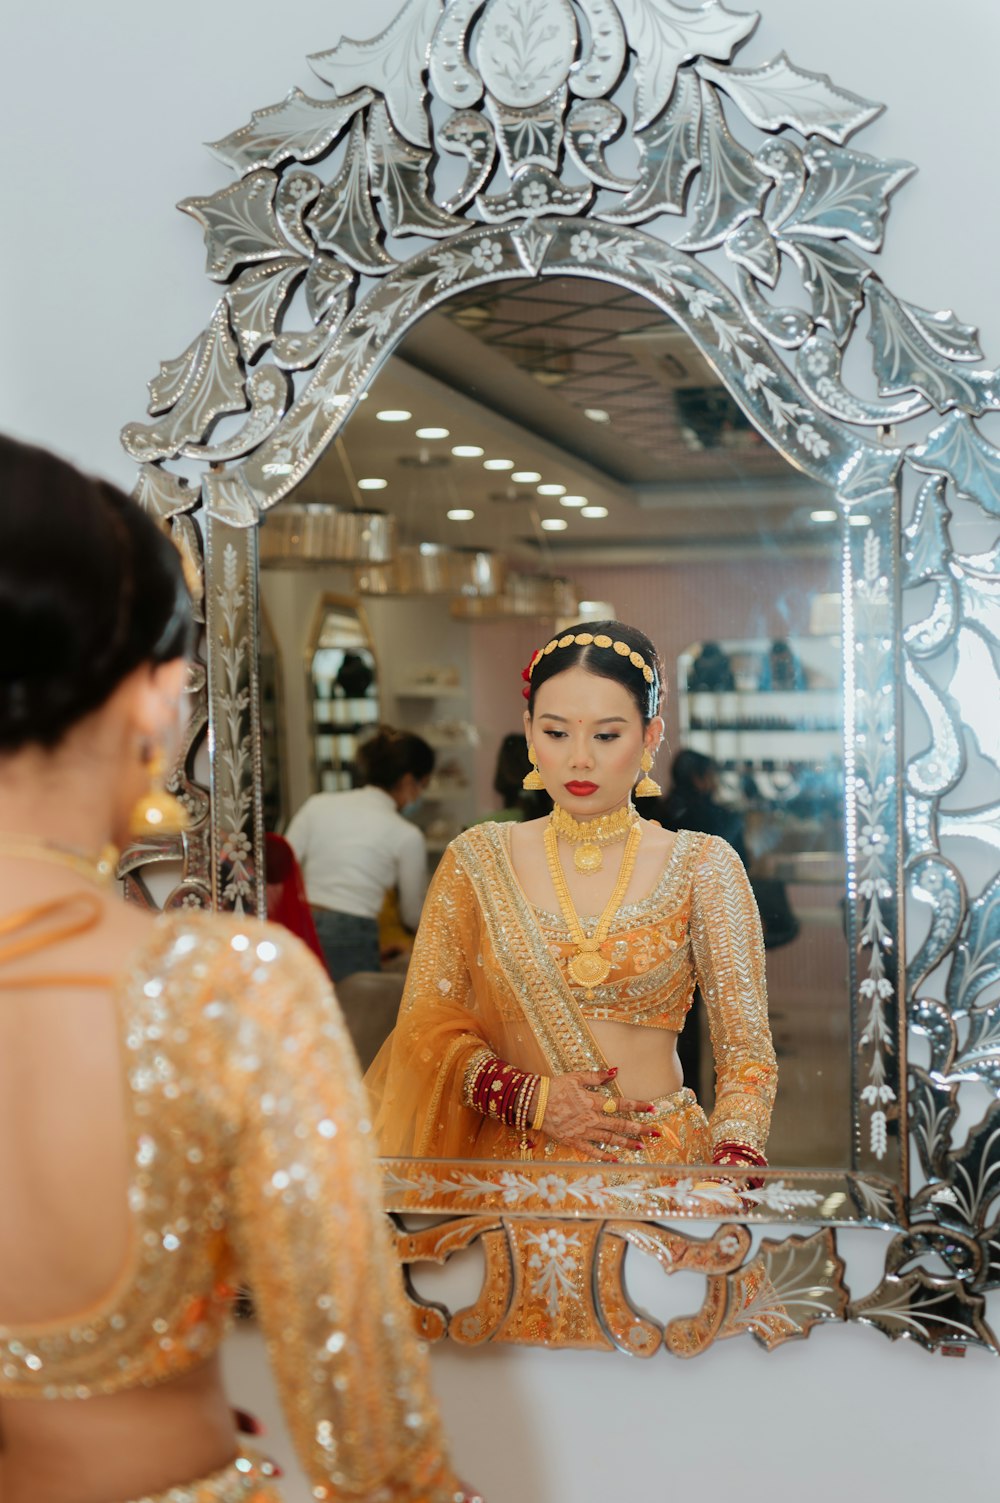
(557, 958)
(352, 847)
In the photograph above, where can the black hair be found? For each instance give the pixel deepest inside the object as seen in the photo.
(512, 764)
(90, 588)
(390, 754)
(605, 662)
(687, 766)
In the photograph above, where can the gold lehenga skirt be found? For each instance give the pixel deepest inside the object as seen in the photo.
(248, 1479)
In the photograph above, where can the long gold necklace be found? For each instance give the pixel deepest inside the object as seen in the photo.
(99, 869)
(588, 967)
(588, 835)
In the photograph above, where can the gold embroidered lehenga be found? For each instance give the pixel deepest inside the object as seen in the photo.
(251, 1156)
(489, 969)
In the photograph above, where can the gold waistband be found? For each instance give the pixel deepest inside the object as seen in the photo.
(248, 1479)
(665, 1106)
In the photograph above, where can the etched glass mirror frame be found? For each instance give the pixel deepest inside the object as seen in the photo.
(475, 142)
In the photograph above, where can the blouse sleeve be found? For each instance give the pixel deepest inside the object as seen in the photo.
(729, 964)
(314, 1242)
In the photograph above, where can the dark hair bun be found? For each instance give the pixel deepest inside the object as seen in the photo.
(89, 589)
(389, 755)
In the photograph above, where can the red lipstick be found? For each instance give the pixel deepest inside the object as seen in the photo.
(580, 790)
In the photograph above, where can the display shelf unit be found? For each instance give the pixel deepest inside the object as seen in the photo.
(779, 751)
(757, 725)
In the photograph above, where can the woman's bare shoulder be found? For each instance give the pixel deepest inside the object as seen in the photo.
(657, 839)
(527, 834)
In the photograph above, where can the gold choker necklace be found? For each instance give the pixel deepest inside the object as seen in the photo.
(588, 967)
(588, 835)
(99, 869)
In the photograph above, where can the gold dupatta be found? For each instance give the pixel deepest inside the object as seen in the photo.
(481, 974)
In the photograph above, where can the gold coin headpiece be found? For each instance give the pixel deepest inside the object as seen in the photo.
(587, 639)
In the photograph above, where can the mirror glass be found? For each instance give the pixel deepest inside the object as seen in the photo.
(562, 427)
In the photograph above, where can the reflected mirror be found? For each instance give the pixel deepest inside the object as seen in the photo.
(551, 451)
(341, 690)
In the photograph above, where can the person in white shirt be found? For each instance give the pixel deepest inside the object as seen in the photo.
(353, 846)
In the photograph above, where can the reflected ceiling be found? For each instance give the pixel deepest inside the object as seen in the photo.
(589, 387)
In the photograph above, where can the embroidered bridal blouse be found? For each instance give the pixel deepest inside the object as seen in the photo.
(489, 968)
(251, 1158)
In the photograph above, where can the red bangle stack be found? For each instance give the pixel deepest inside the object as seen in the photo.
(500, 1091)
(732, 1153)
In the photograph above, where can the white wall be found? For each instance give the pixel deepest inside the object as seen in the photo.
(102, 108)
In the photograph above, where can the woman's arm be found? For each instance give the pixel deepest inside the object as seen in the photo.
(729, 963)
(297, 834)
(315, 1243)
(411, 878)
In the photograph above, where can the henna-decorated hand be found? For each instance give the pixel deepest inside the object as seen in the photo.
(575, 1117)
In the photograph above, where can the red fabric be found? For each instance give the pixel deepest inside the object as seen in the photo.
(286, 893)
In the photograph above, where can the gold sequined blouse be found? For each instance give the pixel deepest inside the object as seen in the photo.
(252, 1157)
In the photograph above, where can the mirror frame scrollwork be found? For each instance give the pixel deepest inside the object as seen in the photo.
(335, 219)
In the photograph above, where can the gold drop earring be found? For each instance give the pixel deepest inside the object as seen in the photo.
(647, 787)
(532, 780)
(158, 813)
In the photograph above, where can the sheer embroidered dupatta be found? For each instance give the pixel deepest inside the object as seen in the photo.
(481, 974)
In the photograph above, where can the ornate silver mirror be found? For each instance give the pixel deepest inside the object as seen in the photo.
(476, 147)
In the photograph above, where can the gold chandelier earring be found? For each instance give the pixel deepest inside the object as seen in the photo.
(158, 813)
(532, 780)
(647, 787)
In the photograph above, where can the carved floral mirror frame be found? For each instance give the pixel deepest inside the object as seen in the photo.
(475, 141)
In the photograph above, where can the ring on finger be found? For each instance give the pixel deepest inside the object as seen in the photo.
(610, 1106)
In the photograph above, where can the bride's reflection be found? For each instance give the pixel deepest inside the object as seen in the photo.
(557, 958)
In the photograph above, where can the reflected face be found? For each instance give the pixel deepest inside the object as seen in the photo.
(589, 740)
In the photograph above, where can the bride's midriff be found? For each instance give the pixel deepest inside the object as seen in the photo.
(646, 1058)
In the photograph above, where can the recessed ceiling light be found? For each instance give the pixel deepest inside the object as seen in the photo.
(597, 414)
(857, 521)
(552, 490)
(594, 511)
(467, 451)
(372, 483)
(822, 516)
(394, 415)
(432, 432)
(460, 514)
(554, 524)
(572, 500)
(526, 477)
(498, 464)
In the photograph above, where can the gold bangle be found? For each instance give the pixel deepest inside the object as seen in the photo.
(478, 1061)
(543, 1100)
(527, 1090)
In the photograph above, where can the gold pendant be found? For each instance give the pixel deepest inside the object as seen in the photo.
(588, 968)
(588, 858)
